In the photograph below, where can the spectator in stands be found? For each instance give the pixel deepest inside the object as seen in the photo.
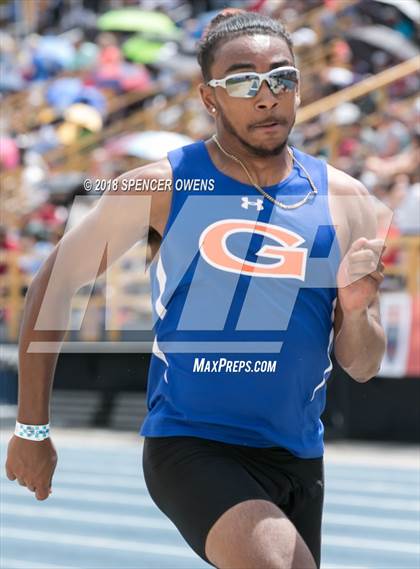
(109, 62)
(8, 242)
(35, 247)
(11, 79)
(403, 162)
(390, 152)
(393, 196)
(392, 136)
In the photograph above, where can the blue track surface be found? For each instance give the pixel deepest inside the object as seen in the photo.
(100, 516)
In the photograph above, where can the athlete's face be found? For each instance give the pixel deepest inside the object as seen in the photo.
(248, 119)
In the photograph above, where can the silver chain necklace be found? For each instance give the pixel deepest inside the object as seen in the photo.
(313, 191)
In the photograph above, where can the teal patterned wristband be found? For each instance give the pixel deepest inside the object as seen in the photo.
(32, 432)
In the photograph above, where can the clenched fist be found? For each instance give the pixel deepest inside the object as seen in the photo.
(360, 274)
(32, 464)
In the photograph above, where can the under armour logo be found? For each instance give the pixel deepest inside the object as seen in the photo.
(246, 202)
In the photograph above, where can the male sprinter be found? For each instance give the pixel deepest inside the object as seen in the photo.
(246, 313)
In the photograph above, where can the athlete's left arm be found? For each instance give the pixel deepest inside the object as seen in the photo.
(359, 339)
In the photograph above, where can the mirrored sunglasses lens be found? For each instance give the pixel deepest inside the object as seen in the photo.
(283, 81)
(243, 86)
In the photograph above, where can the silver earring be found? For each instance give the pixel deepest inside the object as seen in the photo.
(213, 110)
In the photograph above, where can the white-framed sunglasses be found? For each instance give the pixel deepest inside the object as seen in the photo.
(247, 84)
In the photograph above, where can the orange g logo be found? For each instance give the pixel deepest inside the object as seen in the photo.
(291, 261)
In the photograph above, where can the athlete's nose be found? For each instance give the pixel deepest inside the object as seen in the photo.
(265, 99)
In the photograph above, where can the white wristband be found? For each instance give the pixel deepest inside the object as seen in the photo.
(32, 432)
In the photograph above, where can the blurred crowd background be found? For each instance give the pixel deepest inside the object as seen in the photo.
(92, 88)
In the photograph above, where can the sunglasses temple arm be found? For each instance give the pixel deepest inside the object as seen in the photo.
(217, 83)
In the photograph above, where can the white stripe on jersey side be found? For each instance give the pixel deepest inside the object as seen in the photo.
(159, 354)
(161, 277)
(330, 365)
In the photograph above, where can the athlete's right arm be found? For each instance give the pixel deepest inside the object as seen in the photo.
(117, 222)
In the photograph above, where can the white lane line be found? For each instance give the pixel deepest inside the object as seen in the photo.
(9, 563)
(372, 522)
(90, 517)
(97, 542)
(371, 544)
(373, 487)
(341, 566)
(376, 458)
(75, 494)
(136, 482)
(149, 522)
(371, 473)
(372, 502)
(134, 472)
(146, 502)
(120, 477)
(178, 551)
(100, 480)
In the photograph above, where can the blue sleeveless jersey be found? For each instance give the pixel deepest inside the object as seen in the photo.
(243, 297)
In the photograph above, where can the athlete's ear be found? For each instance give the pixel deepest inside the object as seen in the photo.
(207, 96)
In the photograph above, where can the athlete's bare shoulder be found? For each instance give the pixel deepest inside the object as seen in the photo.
(351, 207)
(153, 180)
(342, 184)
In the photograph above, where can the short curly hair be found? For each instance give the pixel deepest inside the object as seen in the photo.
(233, 23)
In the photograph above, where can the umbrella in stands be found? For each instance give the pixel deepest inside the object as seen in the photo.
(84, 116)
(9, 153)
(383, 38)
(64, 92)
(149, 145)
(63, 187)
(64, 183)
(133, 20)
(93, 97)
(141, 50)
(55, 50)
(67, 132)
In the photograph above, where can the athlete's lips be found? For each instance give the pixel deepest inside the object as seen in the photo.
(271, 123)
(272, 128)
